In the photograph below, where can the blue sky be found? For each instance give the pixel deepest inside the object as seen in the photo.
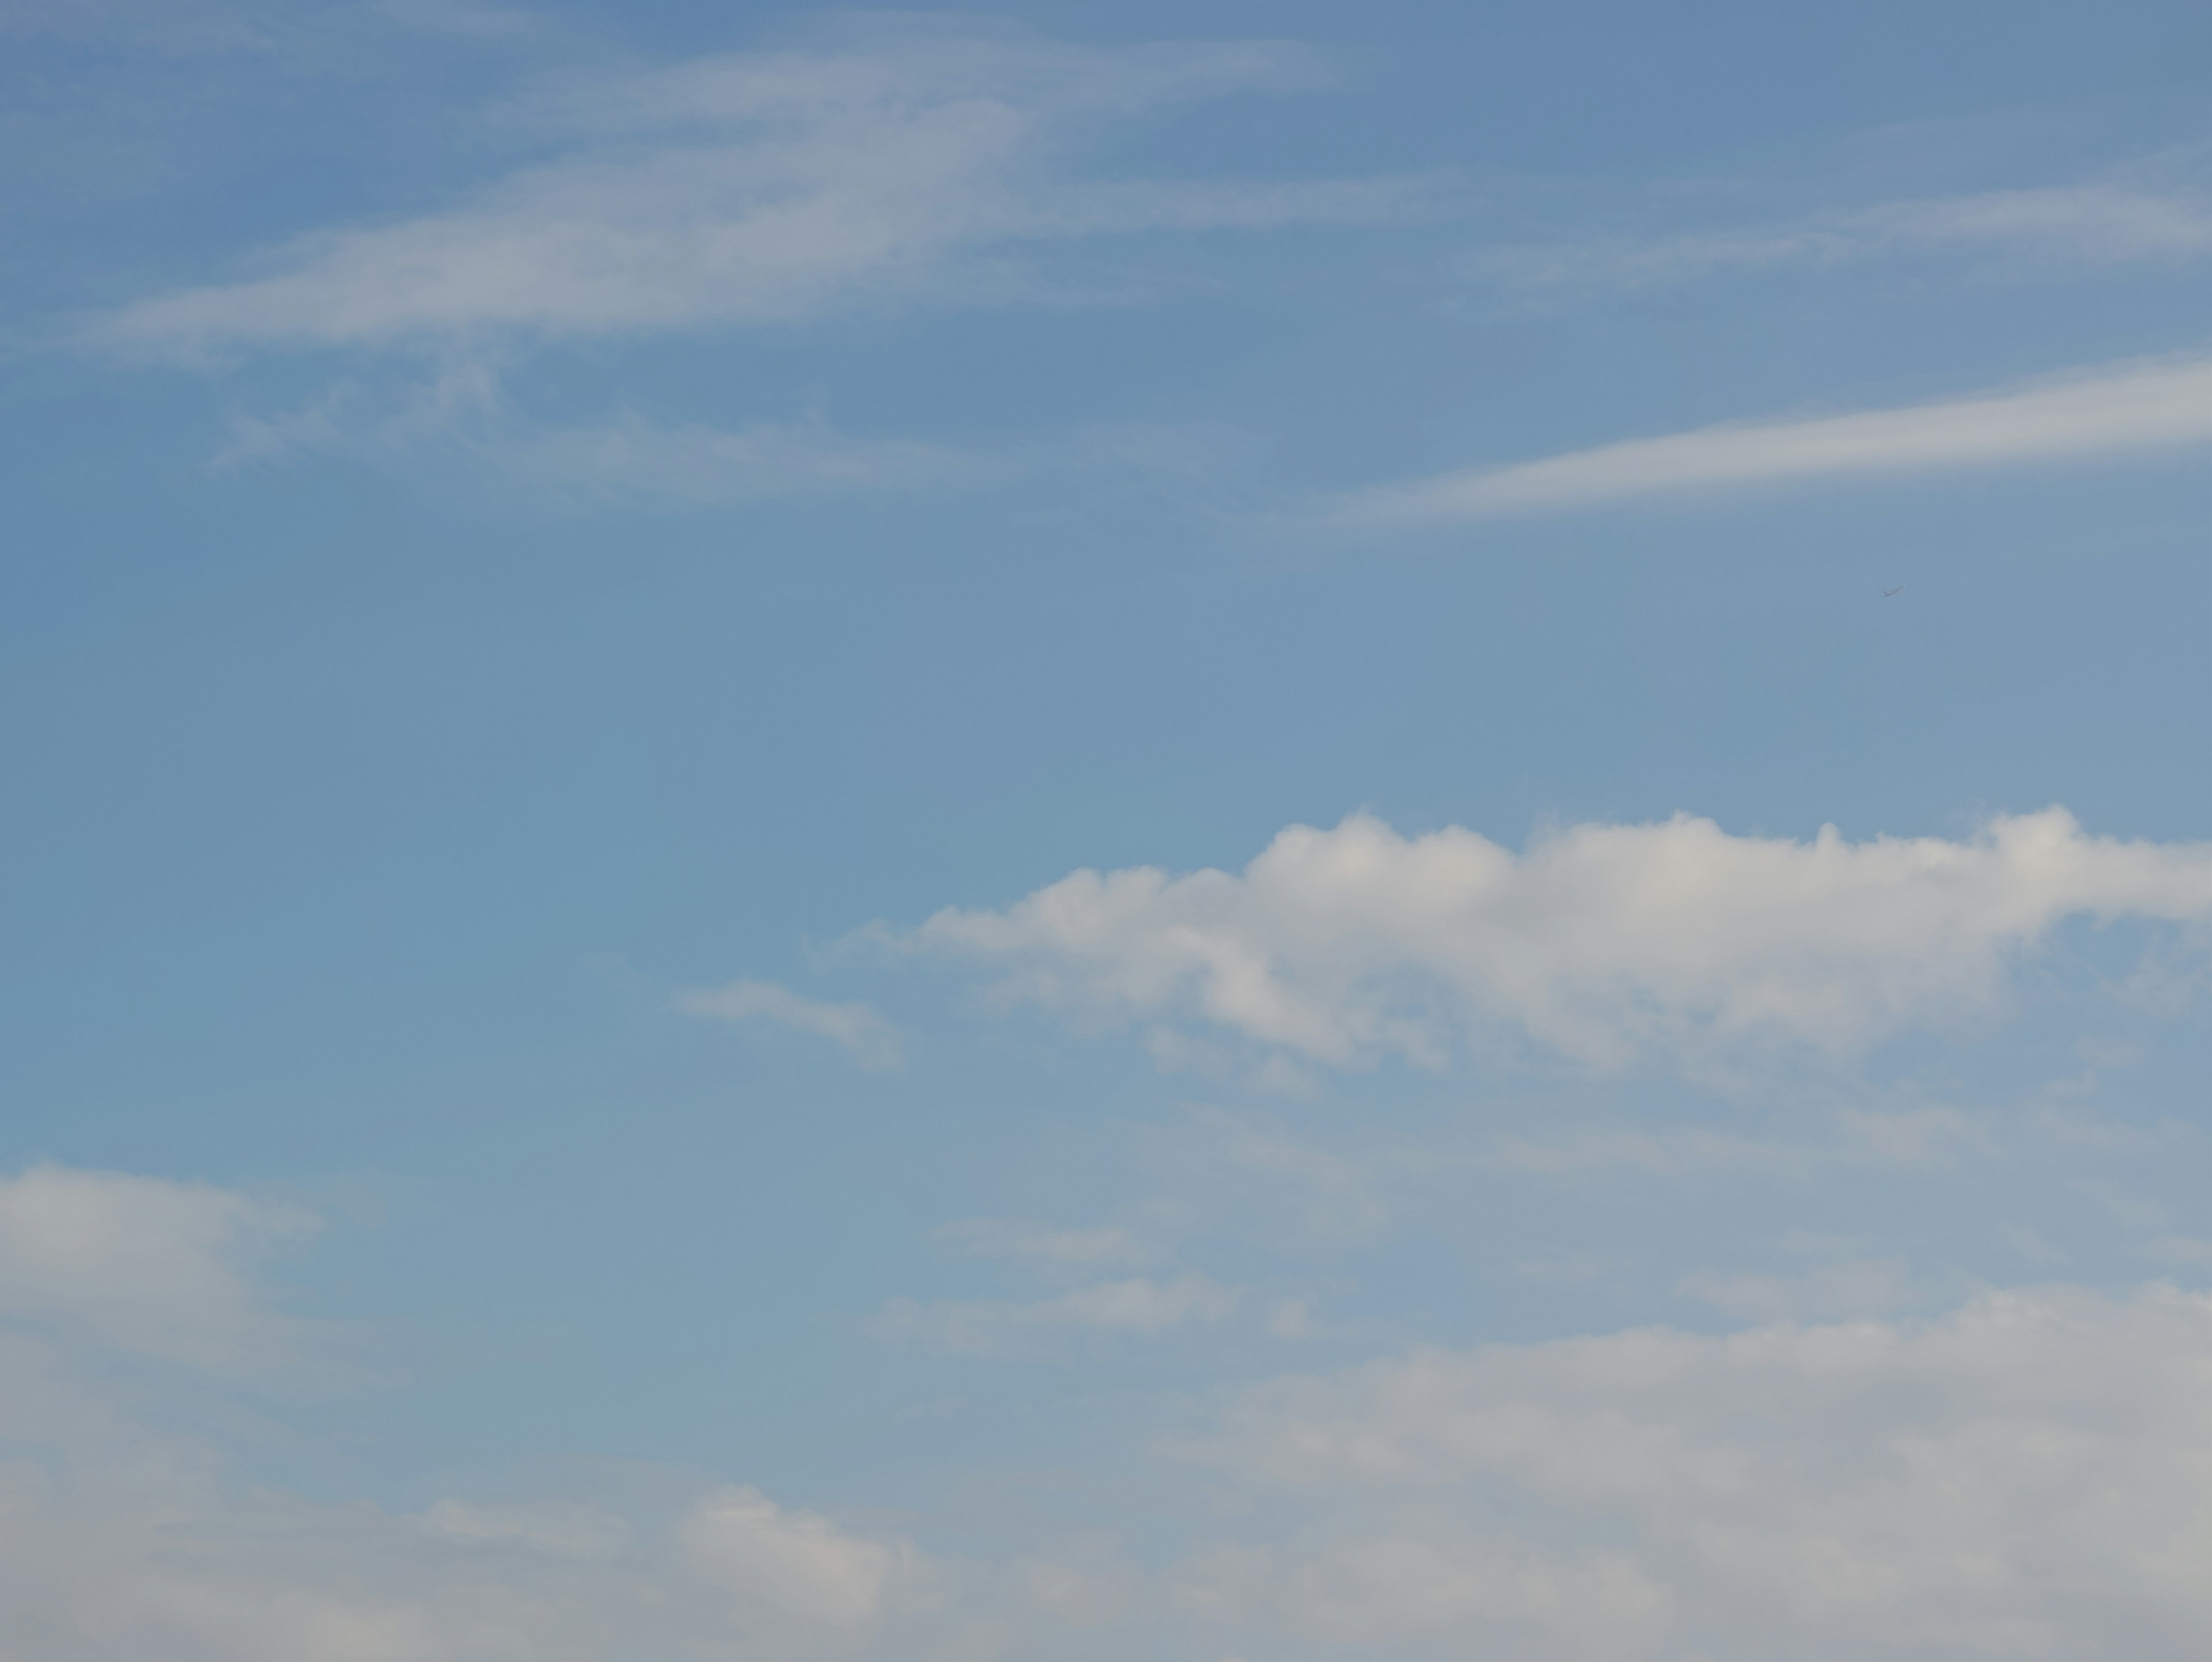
(1239, 834)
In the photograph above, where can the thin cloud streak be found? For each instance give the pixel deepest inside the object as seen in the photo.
(858, 1029)
(2136, 408)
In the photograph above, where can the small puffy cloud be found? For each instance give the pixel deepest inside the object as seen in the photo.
(1138, 1307)
(143, 1265)
(2114, 409)
(1610, 943)
(801, 1564)
(2025, 1476)
(770, 186)
(857, 1028)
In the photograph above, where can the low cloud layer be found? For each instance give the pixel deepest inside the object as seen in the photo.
(1609, 943)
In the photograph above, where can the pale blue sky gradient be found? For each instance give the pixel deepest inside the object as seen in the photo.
(520, 518)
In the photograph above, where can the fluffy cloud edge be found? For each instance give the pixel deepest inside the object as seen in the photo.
(1671, 942)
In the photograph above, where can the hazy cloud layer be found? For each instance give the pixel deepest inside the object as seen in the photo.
(1609, 943)
(2026, 1476)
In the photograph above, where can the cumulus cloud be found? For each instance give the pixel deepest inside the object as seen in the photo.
(2026, 1476)
(859, 1029)
(1608, 943)
(770, 187)
(2115, 409)
(143, 1264)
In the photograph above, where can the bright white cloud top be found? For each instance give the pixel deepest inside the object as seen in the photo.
(1607, 942)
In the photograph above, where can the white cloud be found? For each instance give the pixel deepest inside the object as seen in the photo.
(2026, 1476)
(2132, 408)
(1136, 1308)
(857, 1028)
(799, 1561)
(770, 187)
(1609, 943)
(143, 1265)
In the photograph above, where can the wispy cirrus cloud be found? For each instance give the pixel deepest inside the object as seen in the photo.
(2134, 408)
(770, 187)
